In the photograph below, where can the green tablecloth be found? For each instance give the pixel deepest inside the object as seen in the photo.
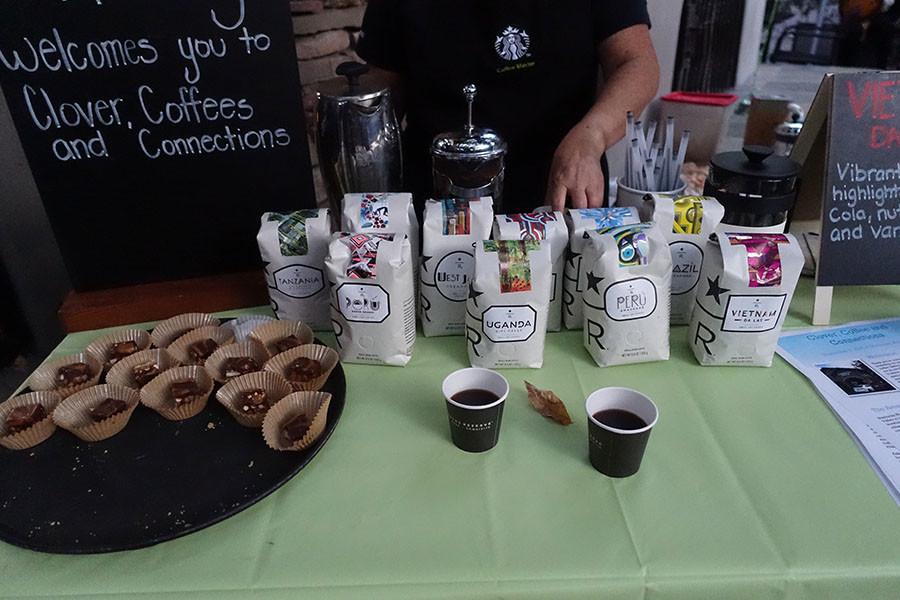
(750, 489)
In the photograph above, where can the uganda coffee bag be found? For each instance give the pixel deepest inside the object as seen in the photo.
(746, 286)
(452, 227)
(293, 247)
(540, 226)
(626, 297)
(373, 306)
(382, 213)
(506, 313)
(580, 222)
(687, 223)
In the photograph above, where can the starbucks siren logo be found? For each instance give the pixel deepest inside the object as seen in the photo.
(512, 44)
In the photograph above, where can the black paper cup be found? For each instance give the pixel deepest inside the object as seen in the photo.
(475, 428)
(618, 452)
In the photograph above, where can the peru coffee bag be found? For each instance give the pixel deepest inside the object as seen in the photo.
(382, 213)
(540, 226)
(373, 306)
(746, 286)
(580, 222)
(626, 297)
(452, 227)
(506, 313)
(293, 247)
(687, 222)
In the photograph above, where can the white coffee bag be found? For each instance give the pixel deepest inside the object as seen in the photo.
(373, 306)
(382, 213)
(293, 247)
(506, 314)
(451, 229)
(580, 222)
(540, 226)
(687, 223)
(746, 286)
(626, 296)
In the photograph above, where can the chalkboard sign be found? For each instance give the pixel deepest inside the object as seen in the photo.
(158, 131)
(850, 147)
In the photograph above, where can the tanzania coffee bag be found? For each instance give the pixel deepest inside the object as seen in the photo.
(540, 226)
(746, 286)
(580, 222)
(506, 314)
(373, 305)
(452, 228)
(293, 247)
(382, 213)
(687, 223)
(626, 297)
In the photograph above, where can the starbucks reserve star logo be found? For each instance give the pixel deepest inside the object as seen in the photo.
(512, 44)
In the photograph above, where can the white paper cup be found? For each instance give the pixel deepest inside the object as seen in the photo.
(615, 451)
(627, 196)
(475, 428)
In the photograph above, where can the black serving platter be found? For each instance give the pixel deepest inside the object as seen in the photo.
(155, 481)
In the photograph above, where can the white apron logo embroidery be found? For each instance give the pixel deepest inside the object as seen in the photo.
(512, 44)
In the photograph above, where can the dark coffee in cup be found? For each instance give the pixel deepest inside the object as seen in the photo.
(619, 419)
(619, 425)
(475, 399)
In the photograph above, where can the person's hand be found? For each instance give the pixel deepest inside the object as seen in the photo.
(575, 171)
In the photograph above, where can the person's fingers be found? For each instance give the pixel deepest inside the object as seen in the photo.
(594, 197)
(579, 198)
(556, 196)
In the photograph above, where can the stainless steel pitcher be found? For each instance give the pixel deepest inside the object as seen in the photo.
(357, 135)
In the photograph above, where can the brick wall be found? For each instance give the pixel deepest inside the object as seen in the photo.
(326, 32)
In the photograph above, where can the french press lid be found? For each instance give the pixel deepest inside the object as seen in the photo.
(755, 162)
(753, 181)
(471, 142)
(354, 83)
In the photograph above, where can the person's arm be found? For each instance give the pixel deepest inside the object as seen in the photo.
(631, 74)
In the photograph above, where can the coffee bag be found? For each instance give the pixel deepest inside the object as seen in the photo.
(687, 223)
(746, 286)
(506, 313)
(373, 307)
(540, 226)
(293, 247)
(382, 213)
(626, 297)
(580, 222)
(452, 227)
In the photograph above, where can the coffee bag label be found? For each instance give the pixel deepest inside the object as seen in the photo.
(382, 213)
(687, 260)
(453, 276)
(363, 303)
(509, 323)
(293, 247)
(753, 313)
(631, 299)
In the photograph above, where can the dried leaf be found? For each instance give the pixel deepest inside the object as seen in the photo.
(548, 404)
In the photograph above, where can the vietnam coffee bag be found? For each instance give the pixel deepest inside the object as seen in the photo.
(382, 213)
(506, 313)
(626, 297)
(687, 223)
(373, 306)
(452, 227)
(746, 286)
(539, 226)
(293, 247)
(580, 222)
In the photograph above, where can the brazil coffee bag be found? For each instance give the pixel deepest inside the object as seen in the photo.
(687, 222)
(293, 247)
(746, 286)
(626, 297)
(580, 222)
(373, 306)
(506, 313)
(540, 226)
(452, 228)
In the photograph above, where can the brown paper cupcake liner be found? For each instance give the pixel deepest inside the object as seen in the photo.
(214, 364)
(155, 394)
(312, 404)
(270, 333)
(244, 325)
(38, 432)
(100, 347)
(327, 357)
(44, 377)
(122, 372)
(228, 396)
(74, 413)
(179, 348)
(173, 328)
